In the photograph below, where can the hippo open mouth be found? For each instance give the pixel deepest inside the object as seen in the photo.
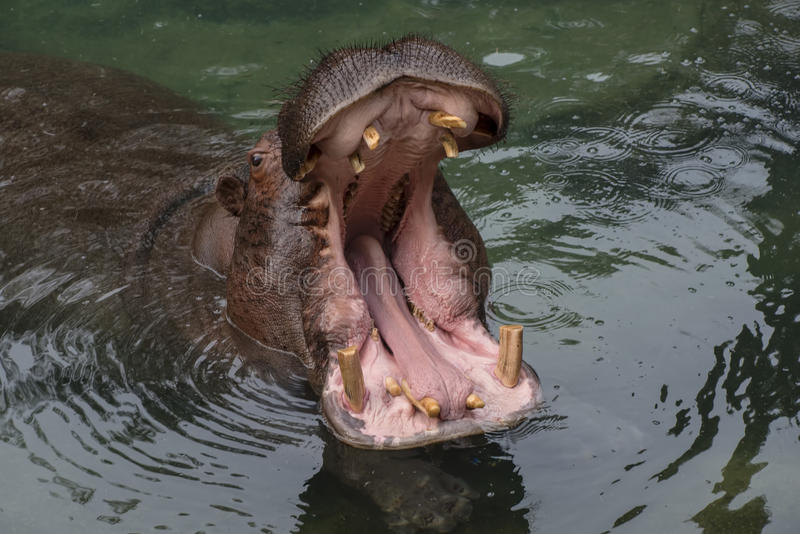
(404, 299)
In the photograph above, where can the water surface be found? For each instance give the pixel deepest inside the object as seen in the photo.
(642, 216)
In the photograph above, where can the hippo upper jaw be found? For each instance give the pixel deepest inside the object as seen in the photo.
(404, 271)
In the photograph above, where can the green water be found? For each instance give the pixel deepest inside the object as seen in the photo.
(647, 192)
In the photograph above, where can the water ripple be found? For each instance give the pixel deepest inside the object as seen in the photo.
(724, 156)
(789, 9)
(545, 421)
(689, 180)
(730, 87)
(605, 143)
(602, 197)
(557, 151)
(575, 24)
(546, 296)
(660, 131)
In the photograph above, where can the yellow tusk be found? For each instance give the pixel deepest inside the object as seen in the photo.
(426, 405)
(371, 137)
(445, 120)
(308, 165)
(509, 361)
(430, 407)
(449, 144)
(392, 386)
(356, 163)
(352, 377)
(474, 402)
(374, 334)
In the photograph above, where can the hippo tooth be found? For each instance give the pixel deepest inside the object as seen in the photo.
(445, 120)
(509, 361)
(474, 402)
(392, 386)
(374, 334)
(353, 377)
(426, 405)
(430, 326)
(356, 163)
(371, 137)
(449, 144)
(309, 164)
(430, 406)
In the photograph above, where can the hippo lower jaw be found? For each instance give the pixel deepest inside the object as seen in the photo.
(418, 365)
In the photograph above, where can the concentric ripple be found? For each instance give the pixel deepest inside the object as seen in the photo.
(724, 156)
(577, 24)
(513, 305)
(730, 87)
(557, 151)
(789, 9)
(659, 132)
(602, 197)
(604, 143)
(691, 181)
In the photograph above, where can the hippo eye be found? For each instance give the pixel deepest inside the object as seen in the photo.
(256, 159)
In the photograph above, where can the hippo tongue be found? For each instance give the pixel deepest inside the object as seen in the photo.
(427, 372)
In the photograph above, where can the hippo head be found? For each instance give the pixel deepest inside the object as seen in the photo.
(352, 252)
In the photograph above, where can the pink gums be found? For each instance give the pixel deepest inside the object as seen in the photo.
(419, 361)
(446, 364)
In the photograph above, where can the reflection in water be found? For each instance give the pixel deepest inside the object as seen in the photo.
(432, 489)
(759, 375)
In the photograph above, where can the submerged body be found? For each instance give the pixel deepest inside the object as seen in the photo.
(337, 233)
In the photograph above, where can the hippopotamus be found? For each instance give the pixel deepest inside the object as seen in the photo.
(341, 244)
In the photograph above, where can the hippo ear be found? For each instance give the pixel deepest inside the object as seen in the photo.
(231, 193)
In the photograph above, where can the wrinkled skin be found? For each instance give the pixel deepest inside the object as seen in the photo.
(112, 175)
(116, 195)
(336, 236)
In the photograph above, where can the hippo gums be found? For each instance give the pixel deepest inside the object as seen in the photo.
(336, 242)
(343, 244)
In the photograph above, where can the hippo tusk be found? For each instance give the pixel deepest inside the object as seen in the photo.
(445, 120)
(426, 405)
(509, 361)
(430, 406)
(375, 334)
(474, 402)
(356, 163)
(449, 144)
(392, 386)
(353, 377)
(371, 137)
(308, 165)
